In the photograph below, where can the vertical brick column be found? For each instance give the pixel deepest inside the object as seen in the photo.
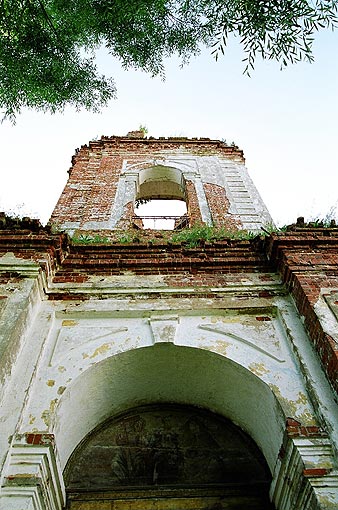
(91, 187)
(193, 208)
(71, 203)
(103, 189)
(219, 207)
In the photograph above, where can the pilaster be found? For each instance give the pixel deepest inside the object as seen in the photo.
(33, 478)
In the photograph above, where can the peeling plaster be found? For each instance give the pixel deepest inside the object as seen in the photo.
(103, 349)
(259, 369)
(69, 323)
(48, 413)
(218, 346)
(295, 408)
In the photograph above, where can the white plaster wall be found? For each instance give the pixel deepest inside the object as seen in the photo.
(244, 357)
(19, 347)
(102, 357)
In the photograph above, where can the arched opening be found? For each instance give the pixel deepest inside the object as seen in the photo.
(161, 198)
(162, 214)
(157, 454)
(162, 374)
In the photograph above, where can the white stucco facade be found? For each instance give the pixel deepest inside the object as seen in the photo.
(242, 356)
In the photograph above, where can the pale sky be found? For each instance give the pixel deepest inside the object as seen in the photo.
(286, 122)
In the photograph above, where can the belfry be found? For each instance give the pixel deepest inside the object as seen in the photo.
(189, 368)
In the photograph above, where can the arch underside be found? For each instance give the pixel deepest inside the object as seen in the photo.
(160, 182)
(170, 375)
(166, 373)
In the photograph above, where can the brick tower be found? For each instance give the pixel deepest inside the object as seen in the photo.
(195, 368)
(108, 176)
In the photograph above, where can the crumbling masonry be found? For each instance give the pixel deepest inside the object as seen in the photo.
(159, 374)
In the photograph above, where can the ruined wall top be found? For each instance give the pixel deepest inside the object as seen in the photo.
(196, 145)
(110, 175)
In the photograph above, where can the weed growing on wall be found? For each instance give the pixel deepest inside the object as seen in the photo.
(194, 235)
(89, 239)
(191, 237)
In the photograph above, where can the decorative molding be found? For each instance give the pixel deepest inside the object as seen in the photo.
(28, 498)
(24, 267)
(33, 479)
(67, 335)
(304, 476)
(163, 328)
(233, 336)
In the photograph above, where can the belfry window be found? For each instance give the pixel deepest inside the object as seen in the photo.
(161, 214)
(161, 198)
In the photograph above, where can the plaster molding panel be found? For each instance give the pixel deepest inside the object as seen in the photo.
(245, 202)
(318, 387)
(21, 294)
(17, 393)
(163, 328)
(126, 190)
(76, 342)
(255, 339)
(186, 163)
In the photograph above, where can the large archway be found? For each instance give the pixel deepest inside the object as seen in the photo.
(166, 373)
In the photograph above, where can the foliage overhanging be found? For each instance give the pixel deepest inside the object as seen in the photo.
(47, 47)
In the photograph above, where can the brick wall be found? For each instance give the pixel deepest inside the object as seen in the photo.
(91, 188)
(93, 177)
(193, 209)
(308, 262)
(219, 207)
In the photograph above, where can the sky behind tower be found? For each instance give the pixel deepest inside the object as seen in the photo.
(285, 122)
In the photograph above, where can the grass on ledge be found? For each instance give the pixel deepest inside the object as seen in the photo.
(190, 237)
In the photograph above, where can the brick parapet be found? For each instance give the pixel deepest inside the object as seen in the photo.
(40, 247)
(144, 258)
